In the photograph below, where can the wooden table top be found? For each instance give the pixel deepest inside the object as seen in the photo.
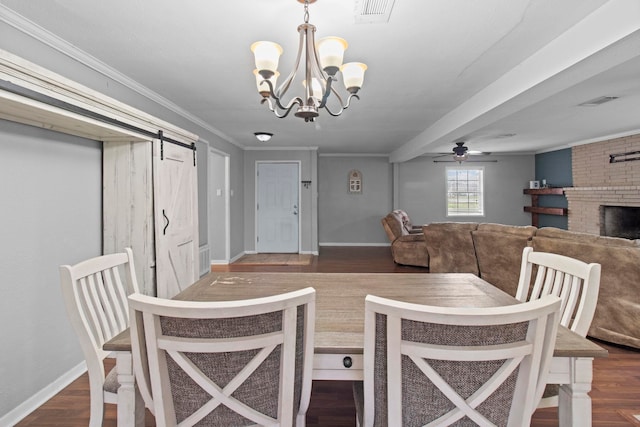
(340, 302)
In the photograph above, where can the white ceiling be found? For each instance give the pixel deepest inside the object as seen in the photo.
(439, 70)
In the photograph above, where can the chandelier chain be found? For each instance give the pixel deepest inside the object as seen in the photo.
(306, 11)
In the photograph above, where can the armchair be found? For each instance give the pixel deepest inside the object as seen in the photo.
(408, 246)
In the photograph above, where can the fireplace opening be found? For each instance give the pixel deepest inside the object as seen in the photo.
(620, 221)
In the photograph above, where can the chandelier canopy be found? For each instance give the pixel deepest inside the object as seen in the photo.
(322, 61)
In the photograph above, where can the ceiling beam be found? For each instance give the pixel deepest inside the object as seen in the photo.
(606, 38)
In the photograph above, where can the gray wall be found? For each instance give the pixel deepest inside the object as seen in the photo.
(51, 214)
(30, 290)
(555, 167)
(308, 196)
(422, 190)
(202, 151)
(17, 42)
(346, 218)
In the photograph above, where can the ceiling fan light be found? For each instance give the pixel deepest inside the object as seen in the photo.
(267, 55)
(460, 157)
(353, 75)
(262, 86)
(331, 53)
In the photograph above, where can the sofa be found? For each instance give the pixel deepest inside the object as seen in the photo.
(494, 252)
(407, 240)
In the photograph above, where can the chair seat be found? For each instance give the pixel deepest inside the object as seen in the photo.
(551, 390)
(111, 384)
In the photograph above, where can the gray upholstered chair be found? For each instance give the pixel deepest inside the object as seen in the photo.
(225, 363)
(442, 365)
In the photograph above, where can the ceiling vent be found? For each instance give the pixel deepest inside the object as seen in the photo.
(598, 101)
(373, 11)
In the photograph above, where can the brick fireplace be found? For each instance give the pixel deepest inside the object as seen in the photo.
(598, 182)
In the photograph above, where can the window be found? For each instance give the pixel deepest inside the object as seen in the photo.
(465, 191)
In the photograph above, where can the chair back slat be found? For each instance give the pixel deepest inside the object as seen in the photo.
(118, 299)
(225, 363)
(575, 282)
(105, 307)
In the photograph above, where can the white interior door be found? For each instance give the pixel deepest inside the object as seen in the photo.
(176, 218)
(277, 208)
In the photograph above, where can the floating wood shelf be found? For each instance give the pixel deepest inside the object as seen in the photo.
(535, 210)
(559, 191)
(546, 211)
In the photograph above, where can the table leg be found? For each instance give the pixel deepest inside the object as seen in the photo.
(574, 403)
(130, 403)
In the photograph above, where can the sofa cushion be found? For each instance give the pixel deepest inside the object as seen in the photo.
(410, 250)
(498, 251)
(404, 220)
(558, 233)
(617, 316)
(450, 247)
(392, 226)
(517, 230)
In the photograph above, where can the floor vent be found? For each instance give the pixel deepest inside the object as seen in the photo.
(373, 11)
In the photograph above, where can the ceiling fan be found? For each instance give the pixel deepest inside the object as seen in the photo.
(461, 154)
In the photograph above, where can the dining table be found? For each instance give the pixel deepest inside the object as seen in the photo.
(339, 327)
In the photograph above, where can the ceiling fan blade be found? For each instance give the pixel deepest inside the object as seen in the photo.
(442, 155)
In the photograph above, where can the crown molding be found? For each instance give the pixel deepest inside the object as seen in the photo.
(353, 155)
(271, 148)
(44, 36)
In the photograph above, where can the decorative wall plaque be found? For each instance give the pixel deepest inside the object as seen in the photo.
(355, 182)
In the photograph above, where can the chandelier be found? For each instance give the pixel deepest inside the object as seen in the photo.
(321, 65)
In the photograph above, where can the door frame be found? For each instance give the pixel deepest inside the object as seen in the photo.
(256, 195)
(227, 204)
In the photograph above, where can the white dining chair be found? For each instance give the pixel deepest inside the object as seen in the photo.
(575, 282)
(95, 297)
(227, 363)
(436, 366)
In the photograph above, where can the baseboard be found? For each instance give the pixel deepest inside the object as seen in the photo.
(34, 402)
(240, 255)
(314, 253)
(354, 244)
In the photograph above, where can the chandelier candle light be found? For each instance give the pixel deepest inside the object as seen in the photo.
(321, 65)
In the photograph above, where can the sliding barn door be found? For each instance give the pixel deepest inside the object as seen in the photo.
(176, 218)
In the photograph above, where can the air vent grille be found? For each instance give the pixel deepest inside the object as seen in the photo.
(373, 11)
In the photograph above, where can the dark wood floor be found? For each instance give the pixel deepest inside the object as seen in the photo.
(616, 380)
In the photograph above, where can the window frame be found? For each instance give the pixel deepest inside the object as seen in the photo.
(481, 192)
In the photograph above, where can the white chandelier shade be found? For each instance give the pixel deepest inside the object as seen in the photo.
(267, 54)
(322, 63)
